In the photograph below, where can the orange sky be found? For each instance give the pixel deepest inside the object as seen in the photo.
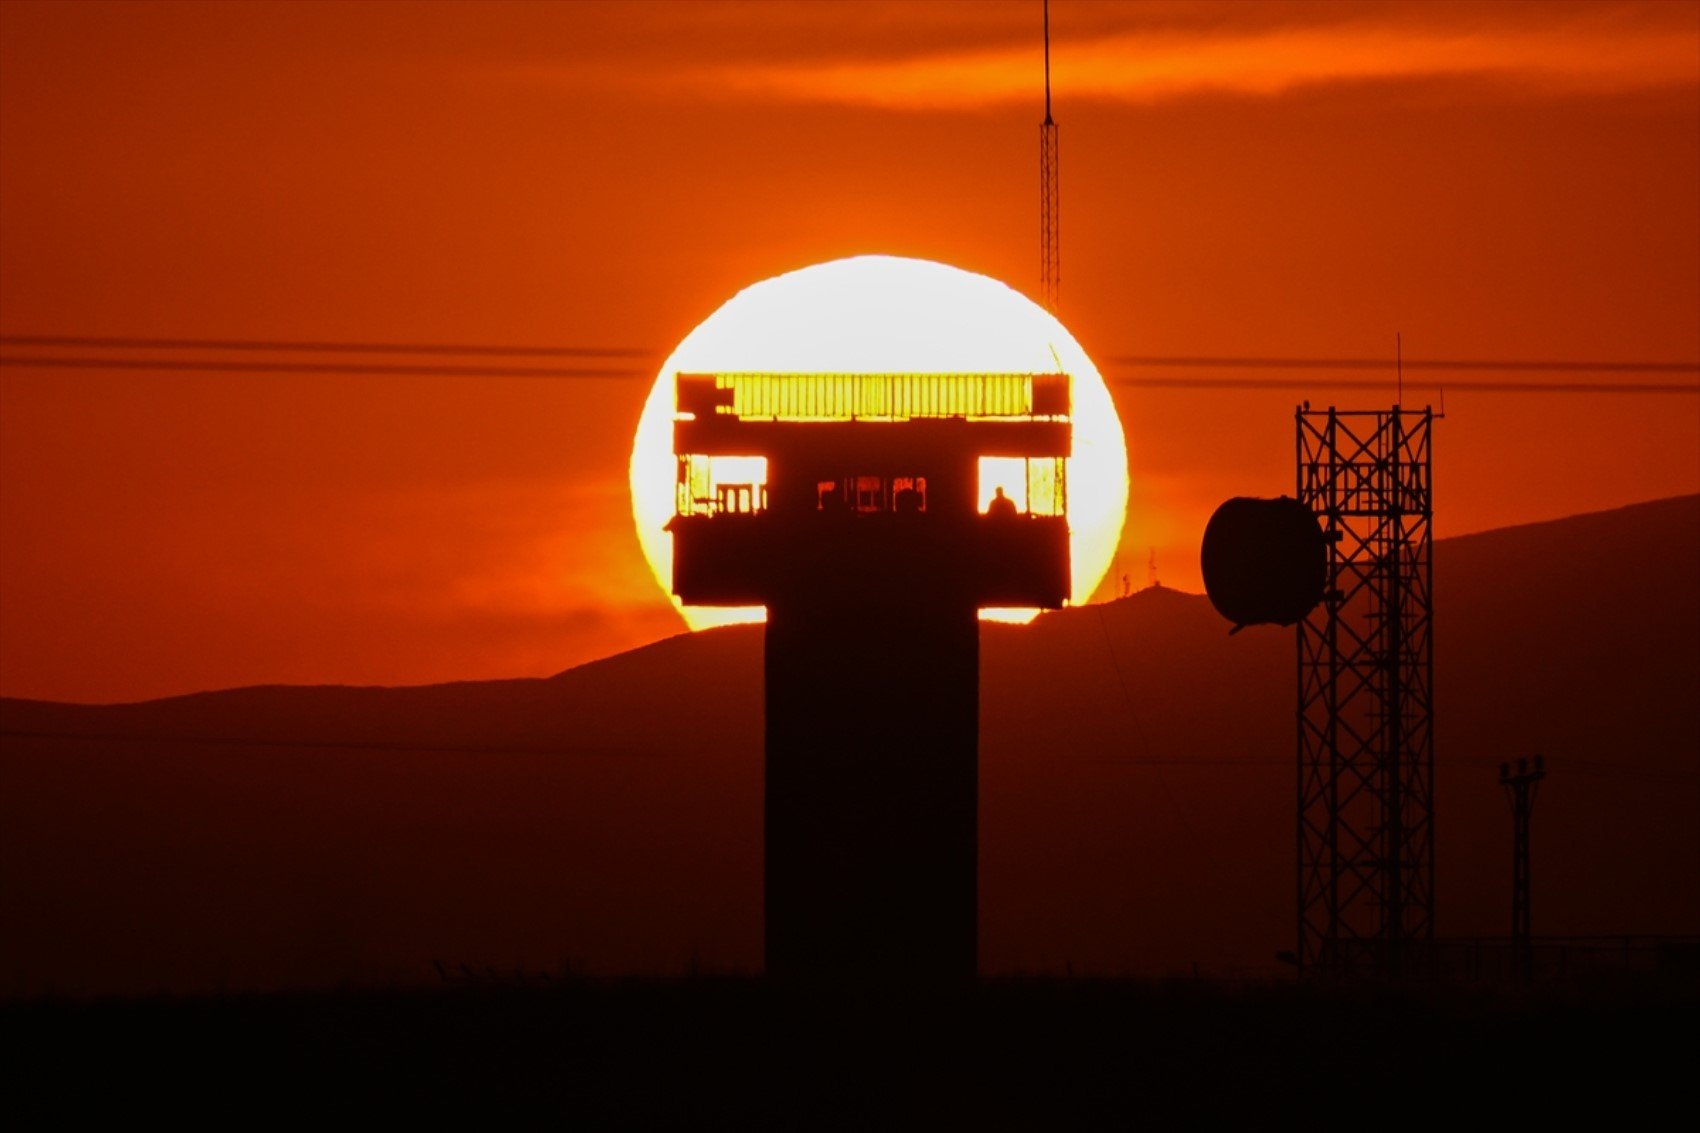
(1502, 181)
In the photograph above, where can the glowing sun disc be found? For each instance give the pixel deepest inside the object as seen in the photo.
(884, 314)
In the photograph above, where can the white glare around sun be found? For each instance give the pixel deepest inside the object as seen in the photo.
(883, 314)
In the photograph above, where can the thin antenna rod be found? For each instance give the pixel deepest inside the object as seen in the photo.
(1047, 61)
(1399, 364)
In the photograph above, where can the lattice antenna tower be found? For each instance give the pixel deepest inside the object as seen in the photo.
(1366, 673)
(1049, 238)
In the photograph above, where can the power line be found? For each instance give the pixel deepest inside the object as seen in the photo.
(165, 366)
(1198, 361)
(1464, 385)
(1532, 366)
(118, 361)
(283, 346)
(369, 369)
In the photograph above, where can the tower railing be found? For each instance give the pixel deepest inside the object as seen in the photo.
(875, 396)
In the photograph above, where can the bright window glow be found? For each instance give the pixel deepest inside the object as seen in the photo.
(737, 470)
(1006, 472)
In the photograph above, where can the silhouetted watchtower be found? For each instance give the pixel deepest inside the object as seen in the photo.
(857, 509)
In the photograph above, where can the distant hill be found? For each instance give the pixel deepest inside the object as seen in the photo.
(1136, 800)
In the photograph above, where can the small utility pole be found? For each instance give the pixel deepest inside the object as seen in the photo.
(1520, 788)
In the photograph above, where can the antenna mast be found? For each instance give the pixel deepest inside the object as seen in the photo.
(1399, 364)
(1048, 234)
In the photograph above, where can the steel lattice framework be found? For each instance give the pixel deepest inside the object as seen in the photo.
(1365, 660)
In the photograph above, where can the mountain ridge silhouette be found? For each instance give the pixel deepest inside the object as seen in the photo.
(1136, 793)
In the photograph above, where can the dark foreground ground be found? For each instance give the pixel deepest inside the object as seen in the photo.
(740, 1052)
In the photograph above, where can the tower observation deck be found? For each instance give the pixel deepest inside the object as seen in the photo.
(874, 515)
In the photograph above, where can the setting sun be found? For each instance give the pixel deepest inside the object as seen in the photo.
(882, 314)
